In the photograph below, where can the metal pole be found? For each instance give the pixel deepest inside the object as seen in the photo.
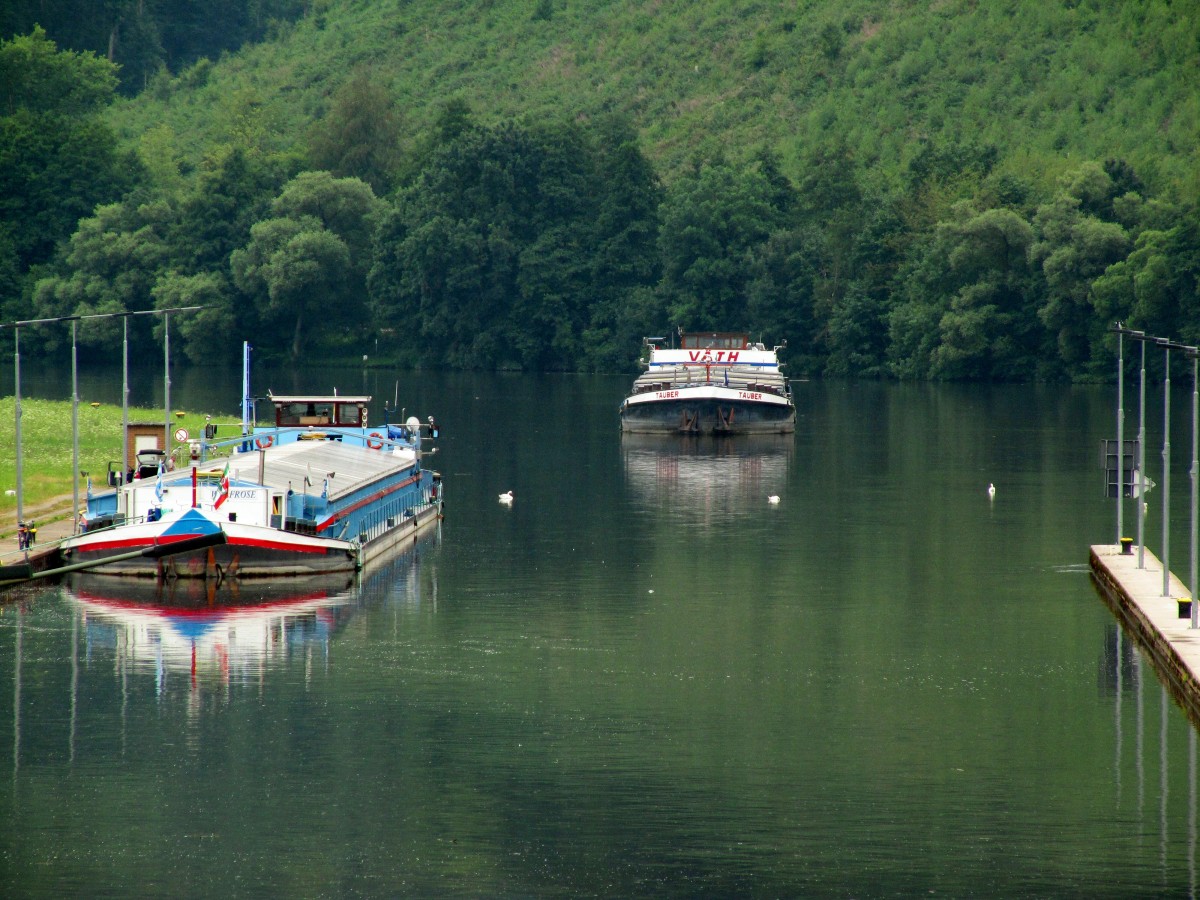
(17, 390)
(16, 326)
(1141, 501)
(1120, 431)
(1193, 353)
(74, 428)
(1166, 456)
(167, 385)
(125, 400)
(246, 402)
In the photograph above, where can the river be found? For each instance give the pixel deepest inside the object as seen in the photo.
(641, 678)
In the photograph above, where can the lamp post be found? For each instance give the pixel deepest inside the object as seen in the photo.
(17, 391)
(1141, 502)
(1168, 346)
(167, 385)
(1140, 336)
(1193, 353)
(16, 326)
(1166, 457)
(1120, 429)
(74, 427)
(124, 398)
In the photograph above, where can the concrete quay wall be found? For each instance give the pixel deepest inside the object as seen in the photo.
(1160, 624)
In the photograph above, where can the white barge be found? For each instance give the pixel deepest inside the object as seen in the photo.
(713, 383)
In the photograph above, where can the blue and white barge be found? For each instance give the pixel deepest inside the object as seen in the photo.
(318, 490)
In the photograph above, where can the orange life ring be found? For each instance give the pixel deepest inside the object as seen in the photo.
(263, 443)
(375, 445)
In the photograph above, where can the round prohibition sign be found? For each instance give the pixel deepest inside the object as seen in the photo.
(181, 435)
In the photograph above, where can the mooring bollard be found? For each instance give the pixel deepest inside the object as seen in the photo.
(1126, 546)
(1185, 607)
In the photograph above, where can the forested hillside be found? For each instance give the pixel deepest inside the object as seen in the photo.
(951, 190)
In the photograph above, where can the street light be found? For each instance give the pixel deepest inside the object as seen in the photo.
(1140, 494)
(1120, 430)
(1166, 457)
(1193, 353)
(1167, 346)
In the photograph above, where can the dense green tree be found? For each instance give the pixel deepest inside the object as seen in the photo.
(989, 330)
(305, 268)
(508, 243)
(847, 236)
(1156, 288)
(780, 295)
(140, 36)
(57, 159)
(1073, 248)
(625, 261)
(869, 166)
(968, 308)
(713, 224)
(295, 271)
(110, 266)
(37, 77)
(207, 334)
(360, 135)
(345, 206)
(232, 192)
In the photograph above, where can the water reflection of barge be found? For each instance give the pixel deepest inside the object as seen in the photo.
(707, 472)
(232, 630)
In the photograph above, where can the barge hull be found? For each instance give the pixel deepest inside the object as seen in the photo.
(707, 416)
(255, 552)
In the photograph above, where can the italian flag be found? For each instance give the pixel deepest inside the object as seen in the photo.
(224, 494)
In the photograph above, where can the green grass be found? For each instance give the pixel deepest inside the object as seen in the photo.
(46, 447)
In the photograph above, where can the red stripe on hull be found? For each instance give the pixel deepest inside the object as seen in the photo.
(136, 544)
(367, 501)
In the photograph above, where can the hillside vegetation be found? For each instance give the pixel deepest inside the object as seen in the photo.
(935, 190)
(1045, 83)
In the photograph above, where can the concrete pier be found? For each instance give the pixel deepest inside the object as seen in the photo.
(1136, 596)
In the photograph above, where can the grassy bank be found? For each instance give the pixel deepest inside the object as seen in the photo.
(46, 448)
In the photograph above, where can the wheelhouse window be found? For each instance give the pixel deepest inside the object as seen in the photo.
(715, 341)
(302, 412)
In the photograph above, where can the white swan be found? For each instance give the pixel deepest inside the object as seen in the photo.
(506, 497)
(991, 490)
(774, 498)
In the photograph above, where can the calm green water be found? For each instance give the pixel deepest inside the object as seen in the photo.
(640, 679)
